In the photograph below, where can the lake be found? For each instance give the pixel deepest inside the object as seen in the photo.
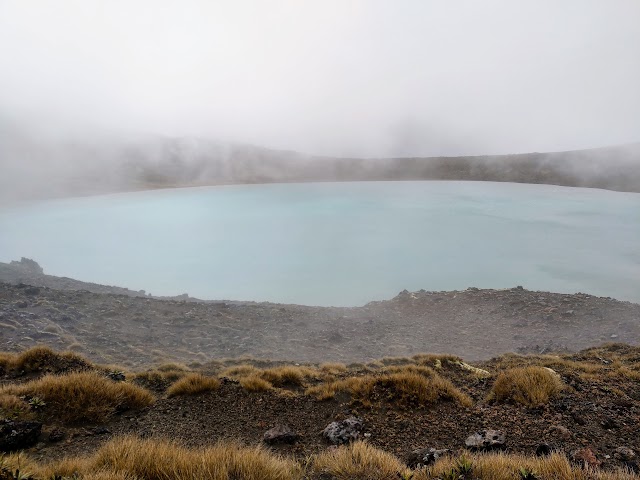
(339, 244)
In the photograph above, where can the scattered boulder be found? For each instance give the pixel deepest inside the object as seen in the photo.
(117, 376)
(628, 458)
(586, 457)
(32, 291)
(563, 432)
(15, 435)
(56, 435)
(425, 456)
(544, 449)
(344, 431)
(625, 454)
(28, 265)
(280, 434)
(486, 440)
(610, 423)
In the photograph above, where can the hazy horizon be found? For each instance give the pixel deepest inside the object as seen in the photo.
(346, 79)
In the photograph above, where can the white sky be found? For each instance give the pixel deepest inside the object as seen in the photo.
(338, 77)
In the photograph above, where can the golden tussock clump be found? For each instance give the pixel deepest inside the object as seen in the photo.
(254, 383)
(12, 406)
(501, 466)
(333, 368)
(531, 386)
(239, 371)
(192, 384)
(132, 457)
(41, 358)
(408, 384)
(358, 461)
(129, 458)
(82, 396)
(287, 375)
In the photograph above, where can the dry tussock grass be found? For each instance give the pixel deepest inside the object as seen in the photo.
(41, 358)
(407, 385)
(288, 375)
(12, 406)
(333, 368)
(129, 458)
(172, 367)
(254, 383)
(531, 386)
(193, 384)
(434, 359)
(238, 371)
(132, 457)
(501, 466)
(358, 461)
(83, 396)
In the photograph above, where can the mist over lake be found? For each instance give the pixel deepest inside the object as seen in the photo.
(339, 244)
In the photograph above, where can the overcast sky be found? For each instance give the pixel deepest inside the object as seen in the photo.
(369, 78)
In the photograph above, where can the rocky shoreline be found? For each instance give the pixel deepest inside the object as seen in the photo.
(116, 325)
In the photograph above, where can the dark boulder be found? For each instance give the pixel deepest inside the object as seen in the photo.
(280, 434)
(15, 435)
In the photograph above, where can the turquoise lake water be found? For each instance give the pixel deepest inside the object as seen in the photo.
(337, 243)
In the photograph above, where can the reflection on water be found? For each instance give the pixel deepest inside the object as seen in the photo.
(337, 243)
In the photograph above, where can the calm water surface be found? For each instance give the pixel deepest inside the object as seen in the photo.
(337, 243)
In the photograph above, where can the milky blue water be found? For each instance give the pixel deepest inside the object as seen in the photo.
(337, 243)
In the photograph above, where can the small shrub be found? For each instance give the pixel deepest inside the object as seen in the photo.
(531, 386)
(82, 396)
(192, 384)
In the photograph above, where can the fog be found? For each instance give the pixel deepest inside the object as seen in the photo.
(334, 78)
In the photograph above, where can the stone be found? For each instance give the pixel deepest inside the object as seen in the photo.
(609, 423)
(56, 435)
(117, 376)
(345, 431)
(625, 454)
(486, 440)
(563, 432)
(15, 435)
(544, 449)
(585, 456)
(280, 434)
(425, 456)
(28, 265)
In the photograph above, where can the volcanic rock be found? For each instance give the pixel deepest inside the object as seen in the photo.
(486, 440)
(345, 431)
(280, 434)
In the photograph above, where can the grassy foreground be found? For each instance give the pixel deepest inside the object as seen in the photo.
(134, 458)
(65, 390)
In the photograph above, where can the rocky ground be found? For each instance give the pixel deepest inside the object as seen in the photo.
(115, 325)
(596, 417)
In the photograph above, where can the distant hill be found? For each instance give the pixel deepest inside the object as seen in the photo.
(36, 168)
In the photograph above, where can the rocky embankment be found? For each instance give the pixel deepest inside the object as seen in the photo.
(114, 325)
